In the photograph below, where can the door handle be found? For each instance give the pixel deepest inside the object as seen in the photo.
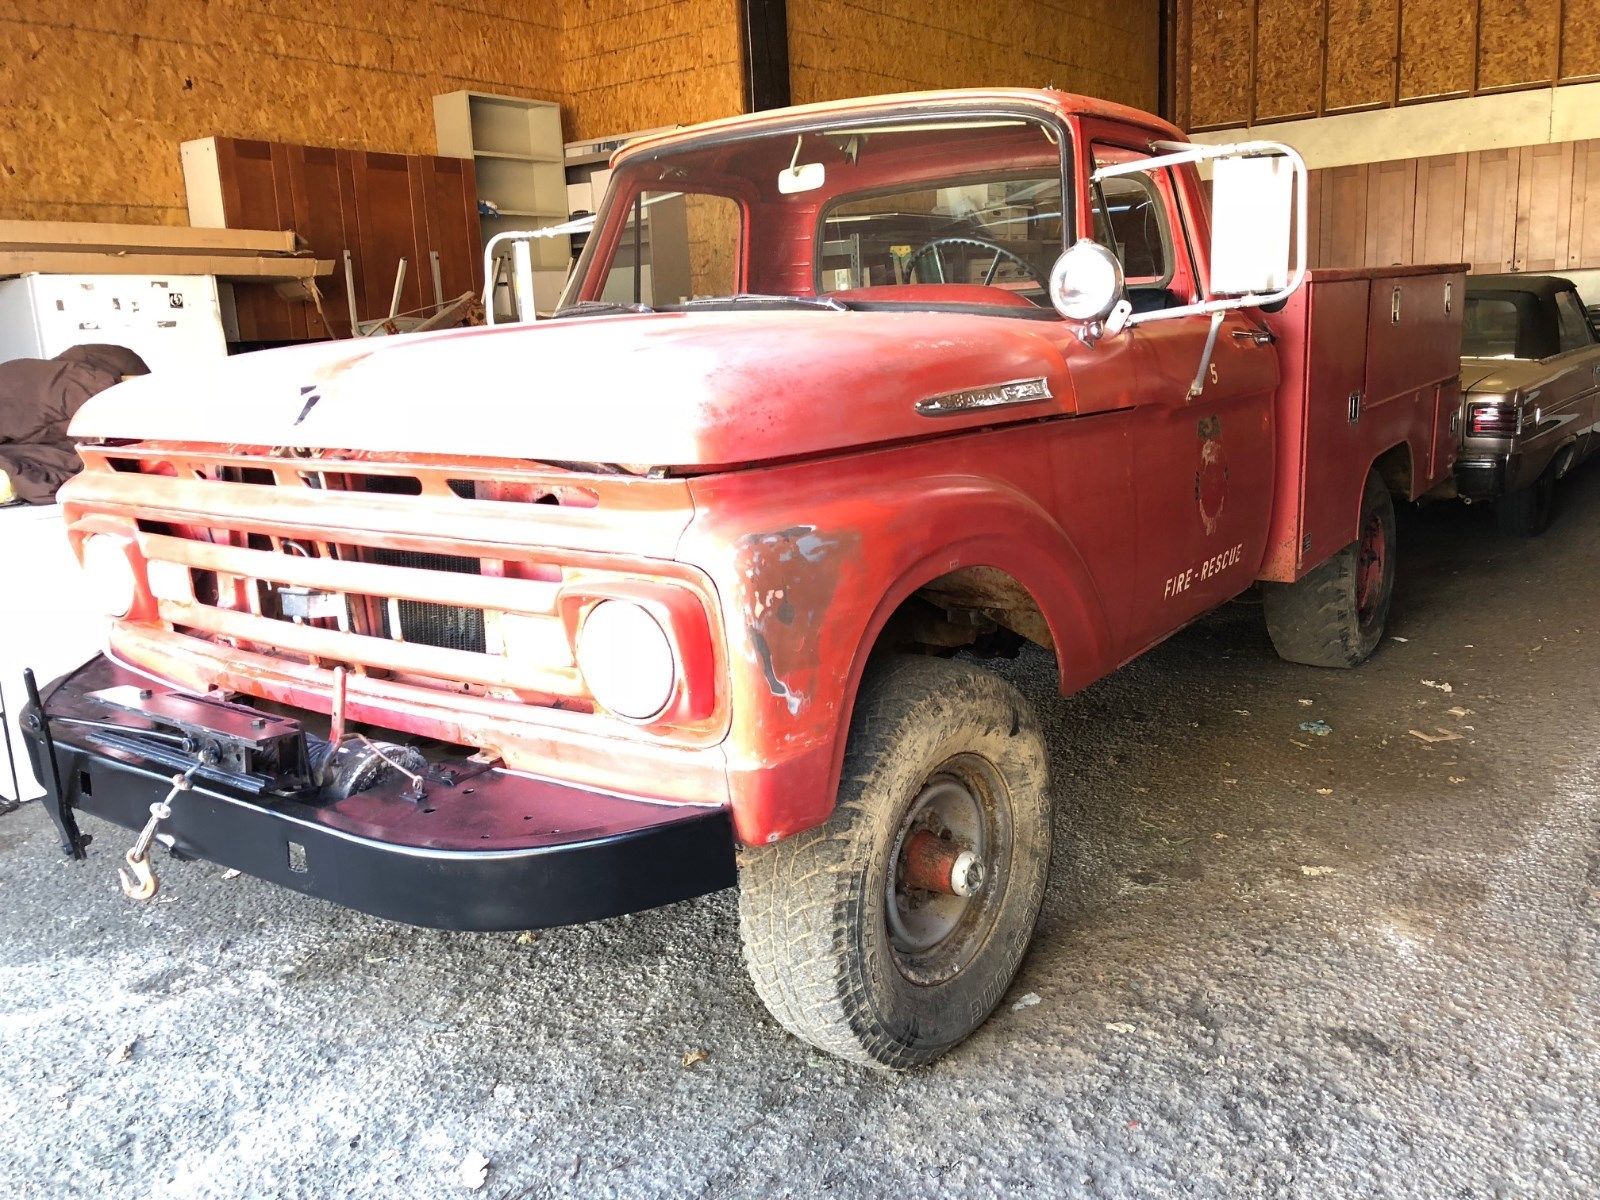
(1265, 337)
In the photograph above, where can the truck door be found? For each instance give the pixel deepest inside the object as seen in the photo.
(1202, 465)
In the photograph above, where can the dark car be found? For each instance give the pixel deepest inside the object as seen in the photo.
(1530, 383)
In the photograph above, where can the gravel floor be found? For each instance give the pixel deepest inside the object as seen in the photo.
(1271, 963)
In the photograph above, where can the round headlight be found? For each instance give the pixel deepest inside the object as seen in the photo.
(626, 659)
(1086, 282)
(109, 573)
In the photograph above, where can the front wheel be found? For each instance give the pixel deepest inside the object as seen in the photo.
(1334, 616)
(888, 934)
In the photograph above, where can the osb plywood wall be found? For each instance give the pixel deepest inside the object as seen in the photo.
(1533, 208)
(1107, 48)
(95, 99)
(713, 244)
(1247, 61)
(639, 64)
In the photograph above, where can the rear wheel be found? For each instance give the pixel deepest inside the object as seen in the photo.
(1527, 512)
(889, 934)
(1334, 616)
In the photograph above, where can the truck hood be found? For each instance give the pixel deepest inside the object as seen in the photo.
(696, 391)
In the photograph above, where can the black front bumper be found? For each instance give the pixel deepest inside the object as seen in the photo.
(482, 850)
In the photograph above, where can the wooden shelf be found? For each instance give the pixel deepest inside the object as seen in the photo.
(223, 266)
(527, 158)
(536, 214)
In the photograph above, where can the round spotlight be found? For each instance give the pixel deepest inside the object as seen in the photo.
(626, 659)
(109, 573)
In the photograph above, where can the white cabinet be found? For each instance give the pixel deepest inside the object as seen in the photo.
(515, 145)
(166, 321)
(48, 620)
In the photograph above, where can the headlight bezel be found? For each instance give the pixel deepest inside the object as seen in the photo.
(680, 612)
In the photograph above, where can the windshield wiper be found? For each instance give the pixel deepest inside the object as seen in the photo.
(590, 308)
(827, 302)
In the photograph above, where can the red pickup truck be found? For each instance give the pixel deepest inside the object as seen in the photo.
(534, 624)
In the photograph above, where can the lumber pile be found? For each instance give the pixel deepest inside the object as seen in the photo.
(83, 248)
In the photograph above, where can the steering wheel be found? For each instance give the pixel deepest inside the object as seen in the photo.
(1001, 254)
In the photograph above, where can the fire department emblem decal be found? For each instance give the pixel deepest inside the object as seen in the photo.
(1211, 480)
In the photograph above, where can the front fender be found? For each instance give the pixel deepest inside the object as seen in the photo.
(809, 565)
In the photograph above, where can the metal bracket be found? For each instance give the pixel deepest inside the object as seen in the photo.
(10, 804)
(1199, 384)
(73, 840)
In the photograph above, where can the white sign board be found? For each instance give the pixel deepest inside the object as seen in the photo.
(1252, 200)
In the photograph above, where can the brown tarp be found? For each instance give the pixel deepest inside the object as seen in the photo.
(38, 398)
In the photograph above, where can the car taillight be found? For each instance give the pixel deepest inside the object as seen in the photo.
(1493, 420)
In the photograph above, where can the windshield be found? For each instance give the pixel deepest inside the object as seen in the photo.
(949, 213)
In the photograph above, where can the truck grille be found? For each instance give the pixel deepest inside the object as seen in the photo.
(442, 625)
(414, 572)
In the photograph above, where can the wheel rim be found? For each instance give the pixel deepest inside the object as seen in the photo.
(934, 933)
(1371, 563)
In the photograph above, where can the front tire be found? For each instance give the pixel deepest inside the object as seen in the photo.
(944, 762)
(1334, 616)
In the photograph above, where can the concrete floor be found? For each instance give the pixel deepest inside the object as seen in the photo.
(1271, 963)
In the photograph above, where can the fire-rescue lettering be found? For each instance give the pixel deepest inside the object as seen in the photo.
(1214, 565)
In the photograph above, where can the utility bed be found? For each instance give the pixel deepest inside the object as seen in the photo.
(1371, 371)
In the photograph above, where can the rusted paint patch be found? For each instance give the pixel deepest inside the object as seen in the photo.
(790, 577)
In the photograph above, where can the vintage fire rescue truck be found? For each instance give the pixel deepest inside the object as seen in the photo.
(547, 622)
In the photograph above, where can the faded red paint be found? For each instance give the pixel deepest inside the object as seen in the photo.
(779, 495)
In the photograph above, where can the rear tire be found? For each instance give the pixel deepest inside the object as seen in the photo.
(844, 952)
(1334, 616)
(1527, 512)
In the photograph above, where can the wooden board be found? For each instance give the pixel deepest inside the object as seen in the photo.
(1288, 59)
(1438, 48)
(1580, 42)
(1583, 237)
(1544, 198)
(1519, 42)
(223, 266)
(324, 215)
(1391, 212)
(1343, 242)
(1361, 48)
(1490, 223)
(169, 239)
(1441, 208)
(1220, 63)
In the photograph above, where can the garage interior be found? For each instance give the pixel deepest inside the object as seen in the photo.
(1307, 933)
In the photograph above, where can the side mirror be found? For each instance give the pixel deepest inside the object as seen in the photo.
(1086, 282)
(1252, 201)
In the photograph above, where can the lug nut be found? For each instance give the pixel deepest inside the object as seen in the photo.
(966, 876)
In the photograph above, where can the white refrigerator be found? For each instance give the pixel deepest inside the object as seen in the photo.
(167, 320)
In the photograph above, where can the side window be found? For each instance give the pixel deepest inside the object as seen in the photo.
(1130, 219)
(1575, 331)
(687, 245)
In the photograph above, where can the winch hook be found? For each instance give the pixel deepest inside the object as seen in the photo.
(137, 877)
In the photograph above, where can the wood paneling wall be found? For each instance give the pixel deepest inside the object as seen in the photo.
(1107, 48)
(1536, 208)
(1245, 62)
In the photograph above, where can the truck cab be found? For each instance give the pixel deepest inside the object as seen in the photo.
(704, 597)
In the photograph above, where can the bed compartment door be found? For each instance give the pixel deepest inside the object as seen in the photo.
(1323, 335)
